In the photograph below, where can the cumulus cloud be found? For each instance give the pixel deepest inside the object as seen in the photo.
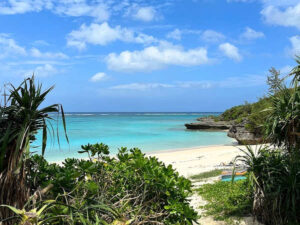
(251, 34)
(230, 51)
(55, 55)
(145, 14)
(98, 77)
(156, 57)
(9, 47)
(289, 16)
(212, 36)
(102, 34)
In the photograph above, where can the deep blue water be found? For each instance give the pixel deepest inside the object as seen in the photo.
(148, 131)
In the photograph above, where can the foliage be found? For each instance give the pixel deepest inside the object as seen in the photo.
(132, 187)
(226, 199)
(274, 81)
(283, 122)
(205, 175)
(20, 119)
(275, 178)
(253, 114)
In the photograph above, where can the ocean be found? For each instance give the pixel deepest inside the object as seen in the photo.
(147, 131)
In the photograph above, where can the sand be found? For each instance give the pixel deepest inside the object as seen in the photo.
(196, 160)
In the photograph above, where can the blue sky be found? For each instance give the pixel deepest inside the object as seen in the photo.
(173, 55)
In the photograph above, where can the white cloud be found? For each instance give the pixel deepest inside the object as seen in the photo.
(40, 71)
(145, 14)
(141, 86)
(156, 57)
(102, 34)
(76, 8)
(8, 47)
(295, 49)
(212, 36)
(81, 8)
(40, 43)
(11, 7)
(98, 77)
(230, 82)
(175, 34)
(230, 51)
(38, 54)
(289, 17)
(251, 34)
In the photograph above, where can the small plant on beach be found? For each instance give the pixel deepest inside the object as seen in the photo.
(205, 175)
(227, 200)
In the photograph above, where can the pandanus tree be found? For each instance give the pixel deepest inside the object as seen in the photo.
(21, 117)
(283, 124)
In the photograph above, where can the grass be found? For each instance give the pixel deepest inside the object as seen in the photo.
(205, 175)
(226, 200)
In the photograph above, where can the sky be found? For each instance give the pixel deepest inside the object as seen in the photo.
(148, 55)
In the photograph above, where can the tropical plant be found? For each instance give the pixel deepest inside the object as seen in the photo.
(275, 178)
(283, 122)
(130, 187)
(21, 117)
(274, 81)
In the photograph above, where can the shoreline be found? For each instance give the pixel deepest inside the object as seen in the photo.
(194, 160)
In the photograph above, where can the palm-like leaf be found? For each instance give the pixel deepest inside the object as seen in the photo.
(20, 120)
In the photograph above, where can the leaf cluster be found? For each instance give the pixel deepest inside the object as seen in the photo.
(134, 187)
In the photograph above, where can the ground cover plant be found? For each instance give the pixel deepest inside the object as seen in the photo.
(205, 175)
(227, 200)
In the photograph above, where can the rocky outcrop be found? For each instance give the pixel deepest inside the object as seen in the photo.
(237, 131)
(208, 123)
(243, 136)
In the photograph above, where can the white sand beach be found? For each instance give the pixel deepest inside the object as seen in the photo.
(196, 160)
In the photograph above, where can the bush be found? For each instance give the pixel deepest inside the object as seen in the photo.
(134, 188)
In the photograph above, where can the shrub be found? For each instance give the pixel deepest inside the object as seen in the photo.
(134, 188)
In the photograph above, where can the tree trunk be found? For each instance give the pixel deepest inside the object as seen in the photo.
(13, 187)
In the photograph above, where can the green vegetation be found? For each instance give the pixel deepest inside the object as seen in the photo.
(253, 114)
(127, 189)
(227, 200)
(21, 116)
(274, 173)
(208, 174)
(133, 188)
(271, 192)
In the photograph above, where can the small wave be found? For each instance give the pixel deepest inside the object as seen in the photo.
(81, 114)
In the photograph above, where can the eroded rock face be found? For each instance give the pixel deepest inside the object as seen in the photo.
(208, 123)
(243, 136)
(236, 131)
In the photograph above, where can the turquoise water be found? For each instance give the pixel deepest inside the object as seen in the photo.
(148, 131)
